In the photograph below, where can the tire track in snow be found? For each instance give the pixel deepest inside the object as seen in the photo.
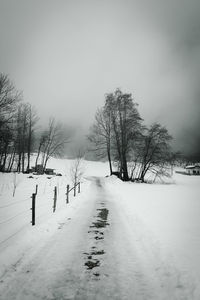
(96, 232)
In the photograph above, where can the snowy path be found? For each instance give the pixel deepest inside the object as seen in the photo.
(100, 253)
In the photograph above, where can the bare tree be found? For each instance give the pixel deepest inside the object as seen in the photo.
(21, 140)
(100, 135)
(23, 131)
(115, 128)
(9, 98)
(17, 121)
(77, 170)
(126, 124)
(5, 145)
(32, 120)
(154, 151)
(41, 146)
(55, 139)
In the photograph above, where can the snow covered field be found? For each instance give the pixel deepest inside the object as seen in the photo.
(167, 219)
(157, 223)
(16, 232)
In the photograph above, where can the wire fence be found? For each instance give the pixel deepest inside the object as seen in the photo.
(36, 206)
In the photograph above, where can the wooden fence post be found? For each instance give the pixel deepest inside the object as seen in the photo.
(67, 194)
(33, 209)
(74, 190)
(54, 199)
(36, 189)
(79, 187)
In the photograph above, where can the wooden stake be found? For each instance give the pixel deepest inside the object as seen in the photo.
(55, 199)
(33, 209)
(67, 194)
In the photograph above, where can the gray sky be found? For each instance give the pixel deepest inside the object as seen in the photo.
(65, 55)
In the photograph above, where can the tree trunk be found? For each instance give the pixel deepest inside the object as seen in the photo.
(5, 158)
(45, 163)
(124, 169)
(19, 163)
(29, 146)
(38, 155)
(109, 160)
(23, 159)
(11, 161)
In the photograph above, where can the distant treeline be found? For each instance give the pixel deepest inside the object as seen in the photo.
(18, 131)
(118, 134)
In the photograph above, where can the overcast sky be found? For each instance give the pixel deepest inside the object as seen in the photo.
(65, 55)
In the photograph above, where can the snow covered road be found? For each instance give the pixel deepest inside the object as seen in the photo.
(102, 252)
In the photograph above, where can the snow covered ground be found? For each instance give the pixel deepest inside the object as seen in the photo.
(15, 211)
(168, 223)
(114, 240)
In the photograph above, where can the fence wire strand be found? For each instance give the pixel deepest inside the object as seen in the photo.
(11, 218)
(2, 242)
(11, 204)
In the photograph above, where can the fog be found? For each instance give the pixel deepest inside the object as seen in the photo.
(65, 55)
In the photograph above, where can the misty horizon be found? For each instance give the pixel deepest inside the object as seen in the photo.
(65, 56)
